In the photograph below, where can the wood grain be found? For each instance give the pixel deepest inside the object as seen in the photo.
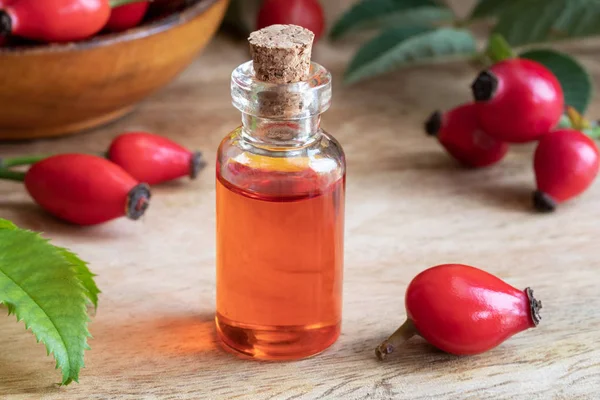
(87, 84)
(408, 207)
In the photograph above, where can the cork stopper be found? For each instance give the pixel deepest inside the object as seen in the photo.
(281, 53)
(281, 82)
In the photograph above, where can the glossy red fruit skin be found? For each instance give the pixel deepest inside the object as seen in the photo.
(127, 16)
(305, 13)
(566, 163)
(152, 158)
(80, 188)
(526, 104)
(463, 310)
(57, 20)
(3, 39)
(458, 131)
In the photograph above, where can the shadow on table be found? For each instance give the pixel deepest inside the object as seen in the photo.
(511, 196)
(433, 173)
(418, 356)
(28, 215)
(137, 349)
(151, 339)
(24, 367)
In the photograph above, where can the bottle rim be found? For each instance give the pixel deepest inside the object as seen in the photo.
(307, 98)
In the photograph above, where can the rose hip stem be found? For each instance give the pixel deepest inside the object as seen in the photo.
(18, 161)
(29, 160)
(11, 175)
(406, 331)
(119, 3)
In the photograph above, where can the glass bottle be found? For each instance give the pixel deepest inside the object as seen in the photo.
(280, 220)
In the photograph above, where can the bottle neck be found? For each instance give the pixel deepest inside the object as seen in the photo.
(280, 115)
(280, 132)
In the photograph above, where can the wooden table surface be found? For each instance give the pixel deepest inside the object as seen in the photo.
(408, 207)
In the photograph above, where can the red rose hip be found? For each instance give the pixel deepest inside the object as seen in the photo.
(85, 189)
(54, 20)
(305, 13)
(518, 100)
(127, 16)
(458, 131)
(463, 310)
(154, 159)
(566, 163)
(3, 39)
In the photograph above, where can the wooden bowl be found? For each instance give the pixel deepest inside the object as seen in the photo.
(54, 90)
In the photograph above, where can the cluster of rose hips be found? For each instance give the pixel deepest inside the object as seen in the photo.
(518, 101)
(24, 22)
(86, 189)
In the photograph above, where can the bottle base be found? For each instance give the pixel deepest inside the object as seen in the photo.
(276, 343)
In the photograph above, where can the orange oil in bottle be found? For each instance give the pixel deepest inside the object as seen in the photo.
(279, 263)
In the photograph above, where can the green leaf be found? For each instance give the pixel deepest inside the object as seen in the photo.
(564, 122)
(593, 132)
(5, 224)
(84, 274)
(498, 49)
(369, 13)
(530, 22)
(41, 285)
(580, 18)
(535, 21)
(491, 8)
(576, 83)
(408, 46)
(422, 16)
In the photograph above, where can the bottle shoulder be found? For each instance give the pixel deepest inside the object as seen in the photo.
(322, 146)
(311, 167)
(331, 147)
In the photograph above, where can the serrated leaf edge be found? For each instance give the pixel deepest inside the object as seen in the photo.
(68, 375)
(91, 292)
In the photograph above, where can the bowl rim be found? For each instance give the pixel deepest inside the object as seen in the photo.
(176, 19)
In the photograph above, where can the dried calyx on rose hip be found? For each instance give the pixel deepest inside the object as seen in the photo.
(85, 189)
(463, 310)
(458, 131)
(566, 163)
(154, 159)
(518, 100)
